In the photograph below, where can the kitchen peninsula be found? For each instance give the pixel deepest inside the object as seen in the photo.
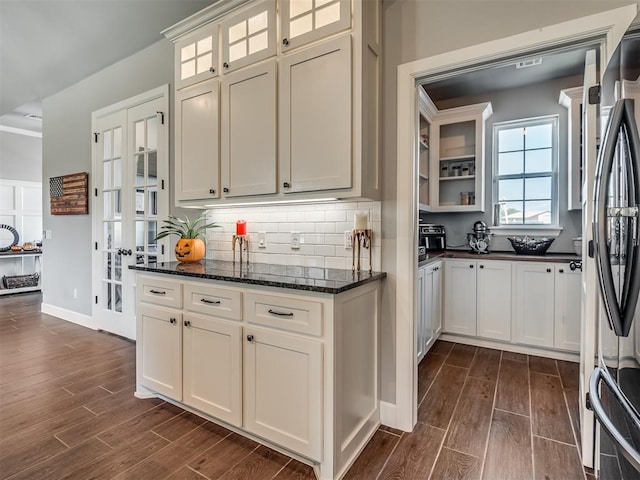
(285, 355)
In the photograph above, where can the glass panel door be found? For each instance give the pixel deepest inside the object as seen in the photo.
(129, 163)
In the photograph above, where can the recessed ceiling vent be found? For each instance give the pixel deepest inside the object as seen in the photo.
(33, 116)
(529, 63)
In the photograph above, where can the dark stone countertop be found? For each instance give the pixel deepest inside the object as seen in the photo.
(311, 279)
(510, 256)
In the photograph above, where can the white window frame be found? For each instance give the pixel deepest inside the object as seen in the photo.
(553, 228)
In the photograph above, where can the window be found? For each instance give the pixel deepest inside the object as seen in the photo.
(525, 170)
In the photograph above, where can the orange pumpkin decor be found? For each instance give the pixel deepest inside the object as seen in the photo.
(190, 250)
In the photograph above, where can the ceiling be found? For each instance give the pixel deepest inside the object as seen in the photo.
(489, 78)
(48, 45)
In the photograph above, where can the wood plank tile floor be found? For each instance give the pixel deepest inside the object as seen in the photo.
(67, 411)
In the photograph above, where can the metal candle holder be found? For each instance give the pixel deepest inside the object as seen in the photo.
(243, 242)
(360, 239)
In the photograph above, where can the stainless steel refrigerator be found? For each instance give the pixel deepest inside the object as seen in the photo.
(614, 387)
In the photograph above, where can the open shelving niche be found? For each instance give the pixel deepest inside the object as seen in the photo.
(451, 161)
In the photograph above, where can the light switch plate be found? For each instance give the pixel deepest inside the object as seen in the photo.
(262, 239)
(347, 239)
(295, 240)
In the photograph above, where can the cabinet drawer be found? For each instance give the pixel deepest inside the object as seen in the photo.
(159, 292)
(212, 300)
(294, 315)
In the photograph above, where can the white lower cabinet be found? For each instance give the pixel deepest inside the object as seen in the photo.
(534, 321)
(216, 389)
(295, 371)
(429, 323)
(478, 298)
(567, 308)
(283, 390)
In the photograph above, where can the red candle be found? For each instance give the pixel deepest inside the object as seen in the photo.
(241, 227)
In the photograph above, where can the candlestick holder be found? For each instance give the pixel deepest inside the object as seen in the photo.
(242, 241)
(360, 239)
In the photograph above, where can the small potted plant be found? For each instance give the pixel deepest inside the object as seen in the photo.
(190, 247)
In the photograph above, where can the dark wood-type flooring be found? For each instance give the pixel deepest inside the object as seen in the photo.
(67, 411)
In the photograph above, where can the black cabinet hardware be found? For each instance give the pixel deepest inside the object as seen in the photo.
(225, 65)
(286, 185)
(481, 266)
(212, 191)
(210, 302)
(548, 270)
(157, 292)
(187, 323)
(280, 314)
(172, 321)
(225, 190)
(250, 338)
(285, 42)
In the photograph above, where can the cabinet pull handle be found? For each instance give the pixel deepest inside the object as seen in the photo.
(285, 42)
(187, 323)
(172, 321)
(548, 270)
(481, 266)
(210, 302)
(212, 69)
(157, 292)
(250, 338)
(561, 270)
(225, 65)
(280, 314)
(225, 190)
(470, 266)
(286, 185)
(212, 191)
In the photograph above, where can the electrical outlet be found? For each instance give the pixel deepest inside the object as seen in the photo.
(75, 293)
(347, 239)
(295, 240)
(262, 239)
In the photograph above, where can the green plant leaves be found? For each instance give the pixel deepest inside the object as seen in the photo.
(185, 228)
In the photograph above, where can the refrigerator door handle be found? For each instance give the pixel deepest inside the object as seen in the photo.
(620, 314)
(627, 450)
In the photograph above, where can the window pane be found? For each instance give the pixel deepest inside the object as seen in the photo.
(258, 22)
(152, 133)
(258, 42)
(152, 167)
(540, 136)
(510, 189)
(188, 69)
(327, 15)
(139, 169)
(139, 136)
(106, 143)
(204, 62)
(510, 163)
(296, 7)
(510, 139)
(537, 161)
(117, 142)
(300, 26)
(117, 173)
(512, 213)
(538, 212)
(106, 175)
(188, 52)
(237, 31)
(205, 45)
(537, 188)
(238, 51)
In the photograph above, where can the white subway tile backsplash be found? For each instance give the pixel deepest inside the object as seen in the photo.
(321, 226)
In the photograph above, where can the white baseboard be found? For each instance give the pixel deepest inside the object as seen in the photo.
(69, 316)
(388, 414)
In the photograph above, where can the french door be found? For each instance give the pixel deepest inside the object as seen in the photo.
(130, 163)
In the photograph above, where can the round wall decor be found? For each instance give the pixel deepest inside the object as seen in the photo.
(16, 237)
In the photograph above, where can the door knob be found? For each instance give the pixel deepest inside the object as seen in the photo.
(250, 338)
(187, 323)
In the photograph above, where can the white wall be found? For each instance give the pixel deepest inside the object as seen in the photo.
(20, 157)
(416, 29)
(67, 149)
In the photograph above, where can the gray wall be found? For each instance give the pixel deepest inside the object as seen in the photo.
(515, 104)
(20, 157)
(415, 29)
(67, 149)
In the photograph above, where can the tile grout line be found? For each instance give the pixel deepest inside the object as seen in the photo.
(512, 413)
(493, 408)
(386, 462)
(533, 459)
(575, 434)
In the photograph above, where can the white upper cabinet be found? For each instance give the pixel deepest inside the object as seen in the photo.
(196, 56)
(305, 21)
(249, 131)
(249, 36)
(316, 148)
(197, 165)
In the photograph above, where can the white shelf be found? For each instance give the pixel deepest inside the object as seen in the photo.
(459, 177)
(458, 158)
(9, 291)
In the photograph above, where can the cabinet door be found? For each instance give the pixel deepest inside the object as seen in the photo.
(197, 144)
(283, 390)
(249, 36)
(460, 297)
(249, 131)
(420, 340)
(212, 367)
(436, 298)
(568, 300)
(315, 118)
(428, 307)
(534, 304)
(494, 300)
(159, 352)
(302, 22)
(196, 56)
